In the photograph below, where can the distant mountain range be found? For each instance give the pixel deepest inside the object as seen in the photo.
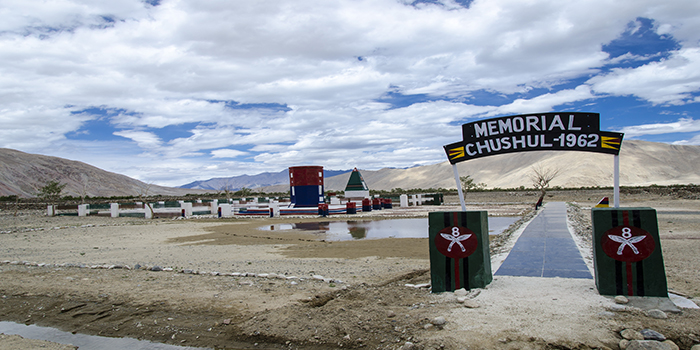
(641, 164)
(235, 183)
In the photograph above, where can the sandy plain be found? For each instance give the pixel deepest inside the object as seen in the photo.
(349, 294)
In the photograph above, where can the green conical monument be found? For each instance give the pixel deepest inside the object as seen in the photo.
(356, 187)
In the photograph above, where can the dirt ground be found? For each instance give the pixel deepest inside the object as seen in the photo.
(233, 286)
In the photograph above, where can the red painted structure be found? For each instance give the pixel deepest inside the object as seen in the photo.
(306, 185)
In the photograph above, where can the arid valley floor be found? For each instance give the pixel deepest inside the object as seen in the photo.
(349, 294)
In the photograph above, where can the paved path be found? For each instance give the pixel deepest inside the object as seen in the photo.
(546, 248)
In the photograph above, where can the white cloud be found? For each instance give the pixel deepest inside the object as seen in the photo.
(682, 125)
(227, 153)
(335, 66)
(694, 141)
(670, 81)
(148, 141)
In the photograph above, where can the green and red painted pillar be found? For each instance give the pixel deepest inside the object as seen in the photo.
(627, 252)
(459, 250)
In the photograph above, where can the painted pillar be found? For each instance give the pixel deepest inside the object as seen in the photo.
(323, 210)
(350, 208)
(306, 185)
(225, 210)
(366, 204)
(627, 252)
(376, 204)
(187, 207)
(403, 200)
(214, 206)
(114, 210)
(50, 210)
(459, 250)
(274, 210)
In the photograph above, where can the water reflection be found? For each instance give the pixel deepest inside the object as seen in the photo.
(84, 341)
(396, 228)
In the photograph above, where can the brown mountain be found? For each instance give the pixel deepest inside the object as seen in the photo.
(23, 174)
(641, 164)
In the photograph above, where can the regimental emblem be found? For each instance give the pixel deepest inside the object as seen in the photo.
(456, 242)
(456, 152)
(610, 142)
(628, 244)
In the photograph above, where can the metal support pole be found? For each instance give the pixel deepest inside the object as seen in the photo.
(616, 176)
(459, 187)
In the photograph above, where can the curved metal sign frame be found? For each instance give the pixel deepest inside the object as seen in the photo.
(561, 131)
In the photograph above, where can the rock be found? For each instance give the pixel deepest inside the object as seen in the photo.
(137, 266)
(461, 300)
(156, 268)
(439, 321)
(671, 345)
(461, 292)
(647, 345)
(471, 304)
(423, 285)
(695, 347)
(624, 343)
(390, 314)
(631, 334)
(428, 326)
(656, 313)
(621, 299)
(317, 277)
(408, 346)
(650, 334)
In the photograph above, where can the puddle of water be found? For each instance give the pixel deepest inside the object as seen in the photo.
(392, 228)
(83, 341)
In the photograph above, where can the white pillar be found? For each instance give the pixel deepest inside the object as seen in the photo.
(403, 199)
(147, 209)
(50, 211)
(414, 200)
(275, 208)
(214, 206)
(114, 210)
(83, 210)
(187, 207)
(419, 199)
(225, 210)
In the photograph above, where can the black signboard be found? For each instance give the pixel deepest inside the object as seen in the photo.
(561, 131)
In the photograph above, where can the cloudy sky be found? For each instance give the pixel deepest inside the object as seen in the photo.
(172, 91)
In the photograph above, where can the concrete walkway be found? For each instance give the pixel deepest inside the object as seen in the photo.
(546, 248)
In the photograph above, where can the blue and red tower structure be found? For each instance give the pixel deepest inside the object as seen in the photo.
(306, 186)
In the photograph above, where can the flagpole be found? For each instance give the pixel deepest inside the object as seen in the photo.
(459, 187)
(616, 175)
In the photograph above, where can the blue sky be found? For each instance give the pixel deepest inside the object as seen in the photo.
(170, 92)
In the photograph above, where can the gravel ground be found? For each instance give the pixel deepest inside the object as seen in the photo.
(313, 294)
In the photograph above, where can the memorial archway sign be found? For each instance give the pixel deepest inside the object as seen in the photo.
(459, 241)
(560, 131)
